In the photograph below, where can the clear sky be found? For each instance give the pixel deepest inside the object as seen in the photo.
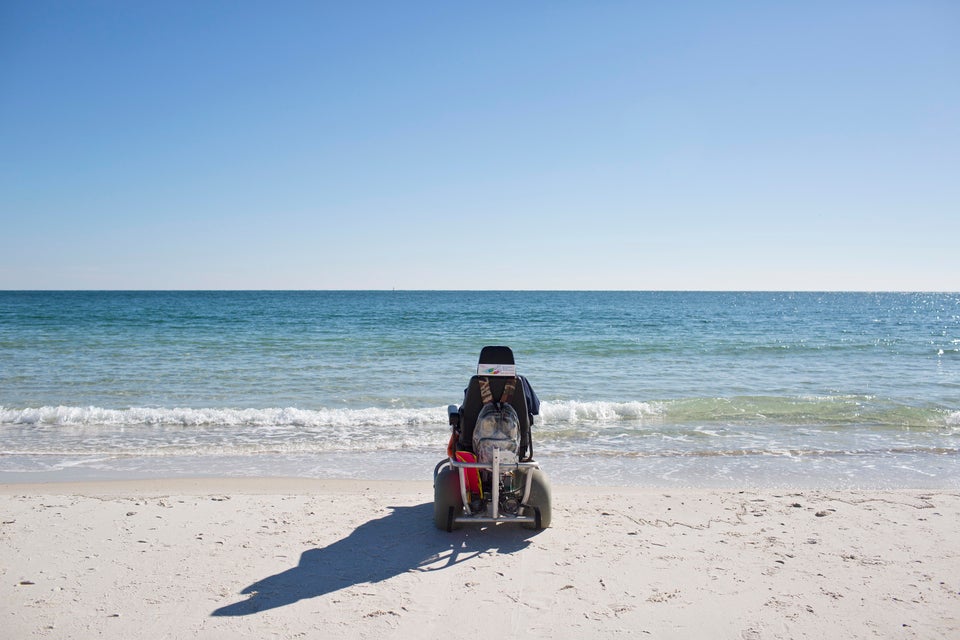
(771, 145)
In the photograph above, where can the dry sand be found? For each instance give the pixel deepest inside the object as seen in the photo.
(342, 559)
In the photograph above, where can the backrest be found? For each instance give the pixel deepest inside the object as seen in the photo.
(496, 364)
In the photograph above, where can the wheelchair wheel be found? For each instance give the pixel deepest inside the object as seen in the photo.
(447, 500)
(539, 500)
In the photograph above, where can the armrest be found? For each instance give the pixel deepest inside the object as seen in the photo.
(453, 414)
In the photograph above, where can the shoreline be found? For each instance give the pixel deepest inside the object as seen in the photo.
(934, 472)
(286, 557)
(297, 485)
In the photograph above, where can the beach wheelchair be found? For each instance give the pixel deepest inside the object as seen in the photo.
(489, 475)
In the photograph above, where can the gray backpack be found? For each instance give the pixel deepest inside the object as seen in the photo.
(498, 426)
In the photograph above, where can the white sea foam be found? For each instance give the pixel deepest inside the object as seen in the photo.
(188, 417)
(573, 411)
(800, 412)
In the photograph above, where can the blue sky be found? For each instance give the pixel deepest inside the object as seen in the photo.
(515, 145)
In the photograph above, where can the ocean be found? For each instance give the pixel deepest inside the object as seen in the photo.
(664, 389)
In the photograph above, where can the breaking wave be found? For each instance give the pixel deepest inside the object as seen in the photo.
(830, 411)
(186, 417)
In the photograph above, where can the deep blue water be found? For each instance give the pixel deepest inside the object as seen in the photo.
(852, 389)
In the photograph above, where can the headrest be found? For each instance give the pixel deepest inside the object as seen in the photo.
(496, 361)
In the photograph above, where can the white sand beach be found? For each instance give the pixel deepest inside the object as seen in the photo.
(275, 558)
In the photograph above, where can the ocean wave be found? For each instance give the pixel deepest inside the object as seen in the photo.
(827, 411)
(572, 411)
(824, 411)
(187, 417)
(726, 427)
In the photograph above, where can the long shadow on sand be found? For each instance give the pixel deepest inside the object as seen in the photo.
(403, 541)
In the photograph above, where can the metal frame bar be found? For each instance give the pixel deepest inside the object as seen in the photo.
(495, 468)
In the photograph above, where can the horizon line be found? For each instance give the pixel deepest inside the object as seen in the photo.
(485, 290)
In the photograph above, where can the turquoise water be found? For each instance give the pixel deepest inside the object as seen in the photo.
(719, 389)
